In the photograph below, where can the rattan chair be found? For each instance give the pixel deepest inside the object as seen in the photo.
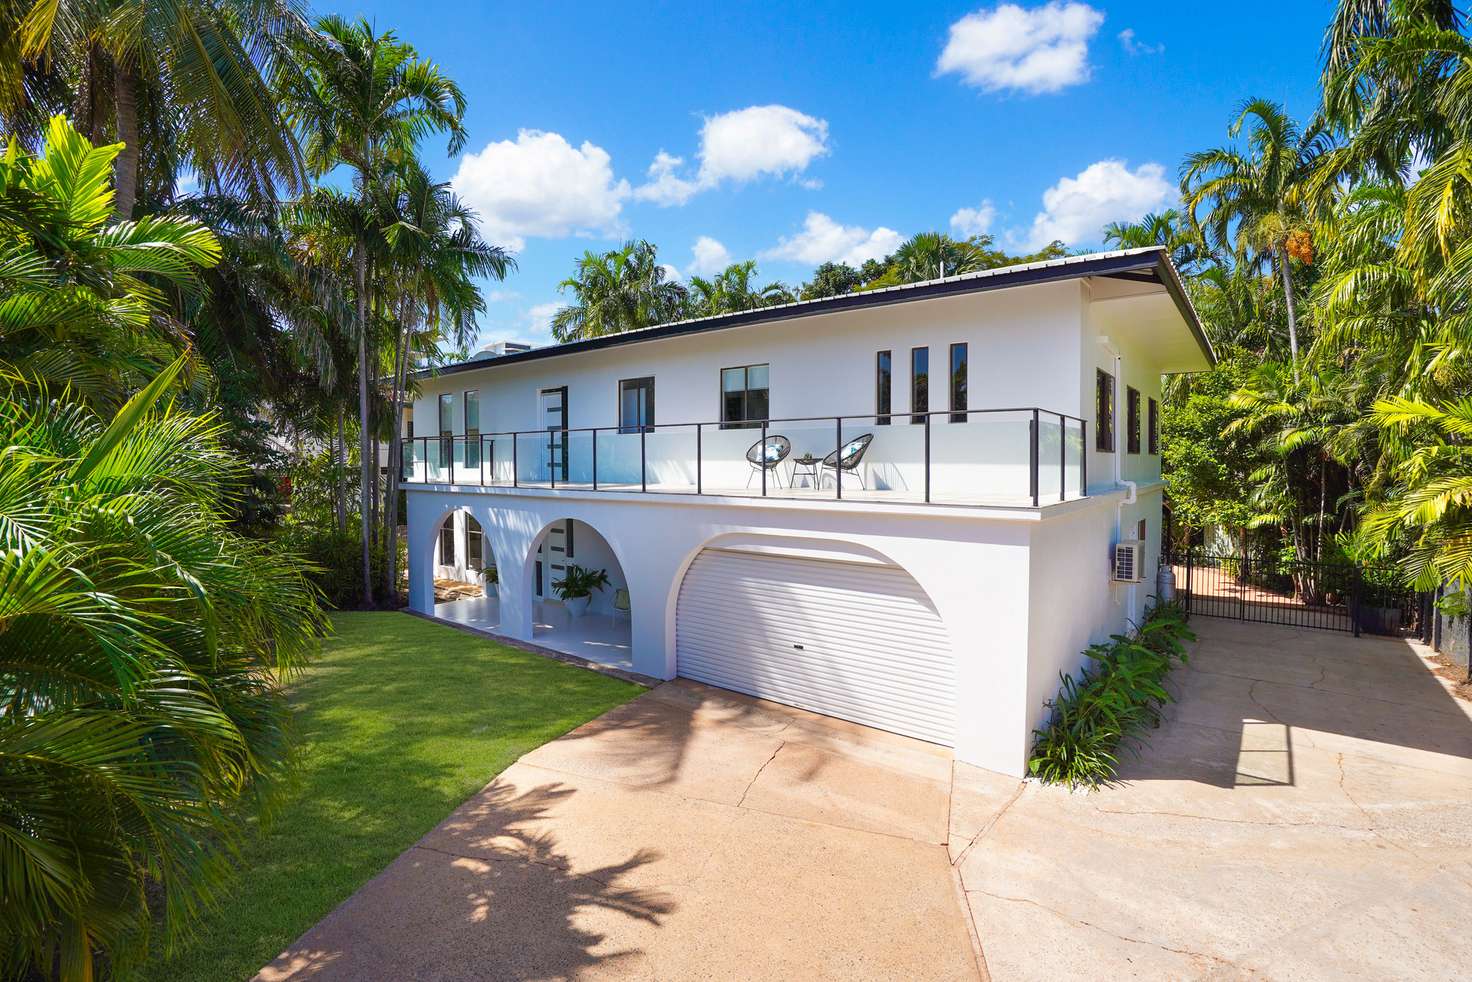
(768, 453)
(849, 458)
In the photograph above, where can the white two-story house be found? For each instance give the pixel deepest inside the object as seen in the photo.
(897, 507)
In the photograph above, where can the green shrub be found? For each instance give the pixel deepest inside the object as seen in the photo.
(1115, 698)
(334, 560)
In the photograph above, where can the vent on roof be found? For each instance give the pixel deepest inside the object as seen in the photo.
(497, 349)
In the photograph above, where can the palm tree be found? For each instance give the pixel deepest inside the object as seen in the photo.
(194, 76)
(617, 291)
(1164, 229)
(731, 290)
(1260, 203)
(364, 100)
(144, 647)
(78, 291)
(438, 256)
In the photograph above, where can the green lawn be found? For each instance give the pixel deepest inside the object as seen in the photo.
(400, 720)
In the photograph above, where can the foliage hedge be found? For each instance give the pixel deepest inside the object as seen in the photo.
(1112, 701)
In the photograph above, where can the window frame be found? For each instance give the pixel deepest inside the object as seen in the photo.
(474, 558)
(447, 435)
(747, 421)
(448, 526)
(1153, 425)
(472, 459)
(883, 387)
(919, 385)
(1104, 394)
(642, 382)
(961, 405)
(1131, 419)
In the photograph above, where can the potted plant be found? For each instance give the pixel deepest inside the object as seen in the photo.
(576, 587)
(490, 580)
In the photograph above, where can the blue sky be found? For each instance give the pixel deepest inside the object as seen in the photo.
(830, 130)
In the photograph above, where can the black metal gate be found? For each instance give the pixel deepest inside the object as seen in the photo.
(1324, 596)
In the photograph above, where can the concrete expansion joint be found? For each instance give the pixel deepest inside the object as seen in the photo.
(985, 829)
(1216, 959)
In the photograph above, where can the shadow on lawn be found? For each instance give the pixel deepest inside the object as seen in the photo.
(398, 723)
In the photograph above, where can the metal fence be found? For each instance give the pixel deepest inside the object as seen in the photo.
(1323, 596)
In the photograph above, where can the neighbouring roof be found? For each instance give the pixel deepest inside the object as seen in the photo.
(1151, 263)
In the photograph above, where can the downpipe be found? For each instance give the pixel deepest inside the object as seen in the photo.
(1132, 598)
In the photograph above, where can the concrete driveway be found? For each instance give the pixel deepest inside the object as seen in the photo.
(1306, 812)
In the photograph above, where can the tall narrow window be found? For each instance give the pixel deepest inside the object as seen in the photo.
(409, 422)
(919, 383)
(447, 541)
(472, 428)
(1104, 411)
(474, 544)
(883, 387)
(1154, 427)
(744, 396)
(1132, 417)
(958, 383)
(447, 428)
(636, 405)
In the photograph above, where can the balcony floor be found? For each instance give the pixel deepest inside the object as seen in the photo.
(597, 637)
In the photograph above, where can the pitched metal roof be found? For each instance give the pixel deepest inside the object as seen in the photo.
(1147, 260)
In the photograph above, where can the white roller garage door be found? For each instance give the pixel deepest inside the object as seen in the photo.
(858, 641)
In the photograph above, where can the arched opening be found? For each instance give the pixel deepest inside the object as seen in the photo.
(581, 603)
(465, 574)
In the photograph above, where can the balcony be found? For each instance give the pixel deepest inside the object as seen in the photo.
(982, 457)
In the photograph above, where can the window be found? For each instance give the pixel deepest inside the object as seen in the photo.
(1154, 427)
(409, 422)
(882, 388)
(447, 427)
(472, 428)
(636, 405)
(919, 383)
(744, 396)
(958, 383)
(473, 538)
(447, 542)
(1132, 417)
(1104, 412)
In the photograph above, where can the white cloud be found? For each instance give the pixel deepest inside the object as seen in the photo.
(1076, 209)
(1134, 47)
(502, 296)
(1007, 47)
(974, 221)
(671, 272)
(709, 256)
(739, 146)
(665, 187)
(822, 240)
(541, 186)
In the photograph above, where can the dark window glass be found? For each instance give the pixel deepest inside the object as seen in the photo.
(1132, 417)
(447, 427)
(958, 383)
(1154, 427)
(409, 422)
(1104, 412)
(447, 542)
(744, 396)
(882, 387)
(473, 558)
(635, 405)
(472, 428)
(919, 383)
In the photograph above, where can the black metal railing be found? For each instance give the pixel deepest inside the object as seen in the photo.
(1333, 596)
(980, 456)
